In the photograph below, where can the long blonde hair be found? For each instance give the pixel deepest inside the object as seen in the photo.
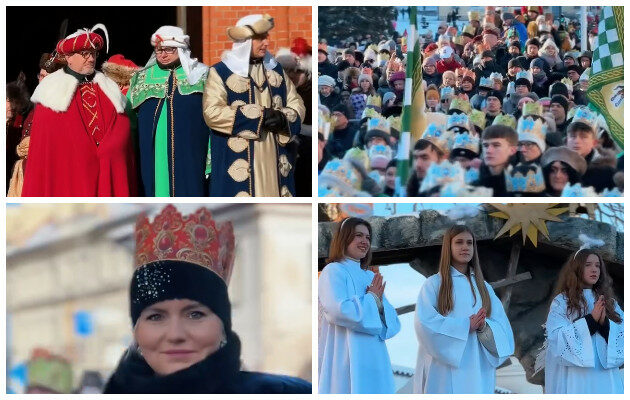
(445, 295)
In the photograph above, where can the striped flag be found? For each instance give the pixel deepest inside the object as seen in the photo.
(605, 90)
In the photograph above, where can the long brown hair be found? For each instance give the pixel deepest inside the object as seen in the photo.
(445, 295)
(344, 235)
(570, 283)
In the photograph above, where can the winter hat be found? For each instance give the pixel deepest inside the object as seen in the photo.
(119, 69)
(183, 257)
(567, 156)
(532, 130)
(446, 52)
(325, 80)
(496, 93)
(397, 76)
(388, 96)
(575, 68)
(560, 99)
(340, 108)
(538, 62)
(366, 77)
(533, 41)
(431, 47)
(514, 62)
(558, 88)
(429, 61)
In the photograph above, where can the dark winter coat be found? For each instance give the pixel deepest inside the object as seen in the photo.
(601, 166)
(218, 373)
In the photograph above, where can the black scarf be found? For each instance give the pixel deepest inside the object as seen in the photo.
(82, 78)
(215, 374)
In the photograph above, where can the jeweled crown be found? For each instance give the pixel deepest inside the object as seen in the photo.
(194, 238)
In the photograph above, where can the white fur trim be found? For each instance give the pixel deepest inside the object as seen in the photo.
(57, 89)
(112, 91)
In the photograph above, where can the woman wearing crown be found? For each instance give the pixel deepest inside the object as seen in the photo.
(181, 313)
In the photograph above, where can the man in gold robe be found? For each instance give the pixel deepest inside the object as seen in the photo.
(253, 110)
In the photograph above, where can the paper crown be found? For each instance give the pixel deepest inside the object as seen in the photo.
(374, 101)
(485, 83)
(456, 189)
(464, 73)
(466, 141)
(339, 177)
(524, 178)
(469, 31)
(457, 120)
(568, 83)
(395, 123)
(505, 120)
(379, 124)
(611, 193)
(585, 116)
(578, 191)
(369, 112)
(533, 108)
(478, 118)
(496, 76)
(194, 238)
(473, 16)
(460, 105)
(358, 157)
(380, 155)
(436, 135)
(442, 174)
(447, 91)
(49, 371)
(524, 75)
(325, 122)
(532, 130)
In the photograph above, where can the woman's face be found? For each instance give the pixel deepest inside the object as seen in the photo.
(591, 272)
(558, 176)
(429, 69)
(365, 85)
(174, 334)
(462, 248)
(467, 85)
(360, 244)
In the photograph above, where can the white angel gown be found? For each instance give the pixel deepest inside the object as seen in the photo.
(352, 355)
(451, 359)
(576, 361)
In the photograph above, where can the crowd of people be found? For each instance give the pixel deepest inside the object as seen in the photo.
(504, 112)
(173, 127)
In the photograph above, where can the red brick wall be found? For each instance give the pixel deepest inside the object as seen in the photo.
(290, 23)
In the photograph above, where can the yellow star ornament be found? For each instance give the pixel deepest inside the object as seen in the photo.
(528, 218)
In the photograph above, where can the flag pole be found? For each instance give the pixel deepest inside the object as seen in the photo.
(402, 169)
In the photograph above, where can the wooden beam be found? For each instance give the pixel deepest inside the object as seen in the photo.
(511, 281)
(406, 309)
(513, 264)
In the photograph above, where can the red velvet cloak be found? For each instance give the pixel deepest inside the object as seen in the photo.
(64, 160)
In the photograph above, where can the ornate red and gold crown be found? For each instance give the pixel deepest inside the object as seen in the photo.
(195, 238)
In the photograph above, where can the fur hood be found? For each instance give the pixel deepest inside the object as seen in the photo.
(603, 158)
(57, 90)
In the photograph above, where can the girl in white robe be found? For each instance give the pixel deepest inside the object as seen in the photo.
(355, 318)
(584, 330)
(462, 329)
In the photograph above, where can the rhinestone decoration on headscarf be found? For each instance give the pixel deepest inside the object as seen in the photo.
(195, 238)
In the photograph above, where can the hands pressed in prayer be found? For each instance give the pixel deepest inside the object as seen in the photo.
(377, 286)
(599, 311)
(478, 321)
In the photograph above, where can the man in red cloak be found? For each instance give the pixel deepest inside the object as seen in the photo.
(80, 138)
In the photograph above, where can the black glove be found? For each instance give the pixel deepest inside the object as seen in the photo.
(274, 120)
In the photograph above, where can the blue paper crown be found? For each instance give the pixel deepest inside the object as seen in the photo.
(532, 181)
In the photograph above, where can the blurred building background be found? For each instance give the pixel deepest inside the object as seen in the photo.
(69, 267)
